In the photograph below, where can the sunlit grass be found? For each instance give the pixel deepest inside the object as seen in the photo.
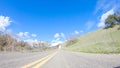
(100, 41)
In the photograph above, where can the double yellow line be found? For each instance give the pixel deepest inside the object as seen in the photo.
(40, 62)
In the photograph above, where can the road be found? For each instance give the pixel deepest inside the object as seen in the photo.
(59, 59)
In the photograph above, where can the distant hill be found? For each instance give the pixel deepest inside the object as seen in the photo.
(98, 41)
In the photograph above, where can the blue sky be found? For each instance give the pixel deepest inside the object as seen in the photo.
(53, 19)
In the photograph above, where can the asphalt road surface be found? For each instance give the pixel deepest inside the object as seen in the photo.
(59, 59)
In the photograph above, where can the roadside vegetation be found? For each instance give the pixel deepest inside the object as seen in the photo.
(105, 40)
(10, 43)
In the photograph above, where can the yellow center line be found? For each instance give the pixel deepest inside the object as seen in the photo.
(43, 62)
(40, 61)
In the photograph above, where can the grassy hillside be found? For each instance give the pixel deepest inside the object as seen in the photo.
(99, 41)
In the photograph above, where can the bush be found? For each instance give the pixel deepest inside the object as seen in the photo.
(71, 42)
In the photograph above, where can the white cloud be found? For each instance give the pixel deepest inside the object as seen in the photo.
(56, 42)
(33, 35)
(59, 37)
(23, 34)
(53, 41)
(76, 32)
(4, 22)
(56, 35)
(31, 41)
(20, 34)
(105, 5)
(26, 34)
(104, 17)
(63, 35)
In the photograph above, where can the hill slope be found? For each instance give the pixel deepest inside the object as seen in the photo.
(99, 41)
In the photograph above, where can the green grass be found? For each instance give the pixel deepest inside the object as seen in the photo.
(99, 41)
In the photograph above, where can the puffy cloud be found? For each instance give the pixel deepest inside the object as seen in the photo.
(31, 41)
(56, 35)
(59, 37)
(104, 17)
(56, 42)
(26, 34)
(20, 34)
(108, 6)
(76, 32)
(23, 34)
(4, 22)
(62, 35)
(33, 35)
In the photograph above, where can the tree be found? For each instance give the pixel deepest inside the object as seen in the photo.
(110, 21)
(117, 18)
